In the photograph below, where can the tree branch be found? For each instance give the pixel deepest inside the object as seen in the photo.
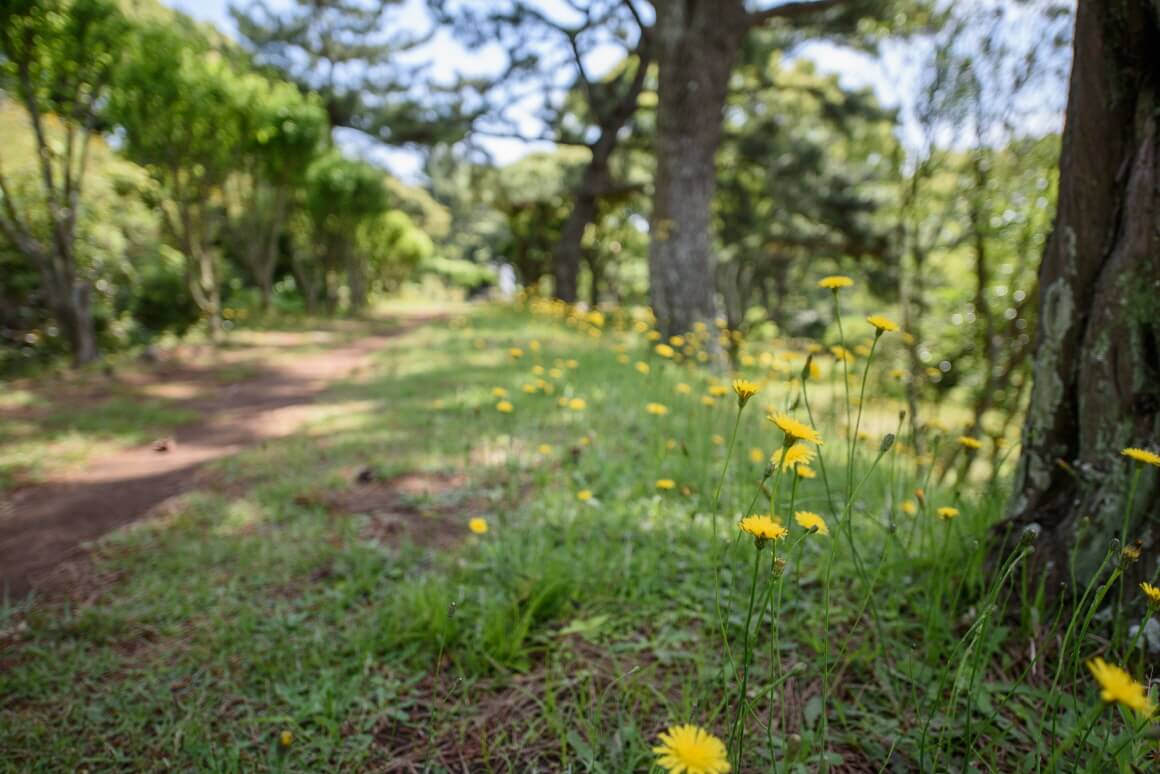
(792, 11)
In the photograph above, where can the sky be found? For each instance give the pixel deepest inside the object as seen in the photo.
(892, 76)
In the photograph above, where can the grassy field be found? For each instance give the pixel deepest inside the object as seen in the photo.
(326, 602)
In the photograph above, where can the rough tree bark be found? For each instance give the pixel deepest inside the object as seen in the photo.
(697, 42)
(1097, 368)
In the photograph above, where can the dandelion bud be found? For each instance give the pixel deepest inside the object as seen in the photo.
(887, 442)
(778, 567)
(793, 746)
(1029, 535)
(1132, 553)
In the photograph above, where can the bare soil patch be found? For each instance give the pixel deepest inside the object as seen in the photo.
(44, 524)
(426, 509)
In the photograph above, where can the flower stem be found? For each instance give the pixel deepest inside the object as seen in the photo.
(725, 469)
(746, 656)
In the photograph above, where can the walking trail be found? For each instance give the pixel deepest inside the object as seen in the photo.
(45, 524)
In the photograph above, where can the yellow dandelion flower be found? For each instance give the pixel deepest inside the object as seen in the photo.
(745, 390)
(671, 444)
(805, 471)
(286, 738)
(666, 483)
(504, 407)
(691, 750)
(498, 392)
(1151, 592)
(1117, 686)
(967, 442)
(798, 454)
(708, 400)
(810, 520)
(798, 431)
(756, 455)
(920, 493)
(555, 373)
(763, 527)
(882, 324)
(841, 353)
(1131, 553)
(577, 404)
(572, 363)
(909, 507)
(657, 409)
(664, 350)
(718, 440)
(641, 367)
(516, 353)
(835, 281)
(534, 345)
(1142, 455)
(584, 495)
(946, 513)
(677, 341)
(477, 525)
(653, 335)
(718, 390)
(544, 449)
(683, 389)
(537, 370)
(529, 388)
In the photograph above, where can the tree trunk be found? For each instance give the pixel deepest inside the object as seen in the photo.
(596, 272)
(72, 306)
(1096, 383)
(570, 249)
(697, 42)
(356, 279)
(596, 180)
(266, 259)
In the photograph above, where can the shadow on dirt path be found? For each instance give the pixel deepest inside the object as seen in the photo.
(48, 523)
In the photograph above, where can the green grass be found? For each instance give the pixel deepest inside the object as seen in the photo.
(368, 621)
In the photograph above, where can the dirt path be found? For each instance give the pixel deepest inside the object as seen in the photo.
(49, 522)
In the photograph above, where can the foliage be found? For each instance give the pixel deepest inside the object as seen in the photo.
(392, 246)
(57, 58)
(806, 176)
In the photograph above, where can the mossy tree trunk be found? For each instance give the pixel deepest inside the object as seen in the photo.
(1096, 383)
